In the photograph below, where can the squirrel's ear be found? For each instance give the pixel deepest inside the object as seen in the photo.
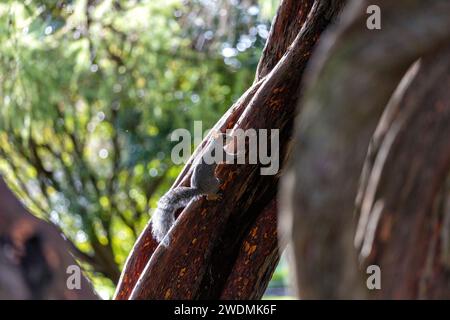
(215, 134)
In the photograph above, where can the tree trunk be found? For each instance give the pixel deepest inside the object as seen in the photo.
(211, 240)
(34, 257)
(404, 213)
(353, 76)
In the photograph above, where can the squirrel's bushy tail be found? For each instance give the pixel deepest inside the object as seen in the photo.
(164, 216)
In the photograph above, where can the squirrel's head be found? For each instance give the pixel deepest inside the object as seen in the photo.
(224, 140)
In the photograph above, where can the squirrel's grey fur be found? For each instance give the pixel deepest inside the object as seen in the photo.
(203, 182)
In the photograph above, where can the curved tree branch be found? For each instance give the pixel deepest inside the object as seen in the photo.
(210, 233)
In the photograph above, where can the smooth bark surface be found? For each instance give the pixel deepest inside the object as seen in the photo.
(403, 219)
(33, 256)
(356, 70)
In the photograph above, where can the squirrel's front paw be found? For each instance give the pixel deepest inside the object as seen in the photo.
(213, 196)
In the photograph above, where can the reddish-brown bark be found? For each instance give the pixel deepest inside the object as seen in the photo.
(286, 25)
(256, 260)
(207, 236)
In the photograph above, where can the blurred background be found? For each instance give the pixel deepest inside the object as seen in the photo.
(90, 91)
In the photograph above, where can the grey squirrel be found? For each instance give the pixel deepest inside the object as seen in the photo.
(203, 182)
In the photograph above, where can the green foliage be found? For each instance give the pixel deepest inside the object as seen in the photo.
(90, 91)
